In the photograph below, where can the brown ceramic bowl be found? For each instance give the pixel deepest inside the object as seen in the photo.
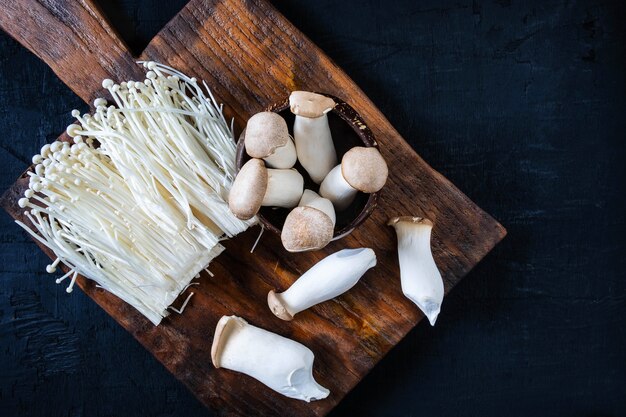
(348, 130)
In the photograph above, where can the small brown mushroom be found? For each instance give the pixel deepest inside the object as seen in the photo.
(314, 143)
(267, 138)
(257, 186)
(309, 226)
(361, 169)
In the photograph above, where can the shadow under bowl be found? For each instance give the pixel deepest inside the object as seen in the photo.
(348, 130)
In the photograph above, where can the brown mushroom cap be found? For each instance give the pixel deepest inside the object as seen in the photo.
(248, 190)
(311, 105)
(265, 132)
(306, 228)
(364, 169)
(275, 302)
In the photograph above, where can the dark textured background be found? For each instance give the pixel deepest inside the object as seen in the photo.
(521, 105)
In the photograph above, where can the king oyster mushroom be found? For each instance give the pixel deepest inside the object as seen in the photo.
(420, 279)
(282, 364)
(330, 277)
(309, 226)
(361, 169)
(314, 143)
(256, 186)
(267, 137)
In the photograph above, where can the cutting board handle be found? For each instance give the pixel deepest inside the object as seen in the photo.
(74, 38)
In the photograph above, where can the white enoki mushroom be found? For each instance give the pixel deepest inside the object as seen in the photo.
(282, 364)
(143, 213)
(172, 145)
(327, 279)
(86, 214)
(420, 279)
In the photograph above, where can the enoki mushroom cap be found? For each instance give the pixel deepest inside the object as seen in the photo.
(306, 228)
(265, 132)
(311, 105)
(248, 190)
(364, 169)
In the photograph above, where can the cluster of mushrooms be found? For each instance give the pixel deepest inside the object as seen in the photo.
(282, 364)
(270, 179)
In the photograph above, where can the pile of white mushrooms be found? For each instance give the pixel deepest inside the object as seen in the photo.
(270, 179)
(285, 365)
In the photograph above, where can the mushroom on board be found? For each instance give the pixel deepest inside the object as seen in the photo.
(314, 143)
(327, 279)
(266, 137)
(282, 364)
(361, 169)
(311, 225)
(419, 276)
(256, 186)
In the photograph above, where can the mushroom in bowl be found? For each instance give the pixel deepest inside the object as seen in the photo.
(352, 143)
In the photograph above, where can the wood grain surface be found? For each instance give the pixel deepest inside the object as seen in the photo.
(251, 57)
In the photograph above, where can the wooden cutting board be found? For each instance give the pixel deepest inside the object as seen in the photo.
(251, 57)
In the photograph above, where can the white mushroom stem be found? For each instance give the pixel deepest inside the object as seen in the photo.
(284, 188)
(361, 169)
(314, 200)
(336, 189)
(314, 145)
(420, 278)
(282, 364)
(330, 277)
(283, 157)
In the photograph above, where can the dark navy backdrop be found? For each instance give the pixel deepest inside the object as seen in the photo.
(521, 104)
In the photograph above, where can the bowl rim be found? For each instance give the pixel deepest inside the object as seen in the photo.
(350, 116)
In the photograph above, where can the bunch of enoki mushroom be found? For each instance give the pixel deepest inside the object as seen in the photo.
(137, 201)
(269, 179)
